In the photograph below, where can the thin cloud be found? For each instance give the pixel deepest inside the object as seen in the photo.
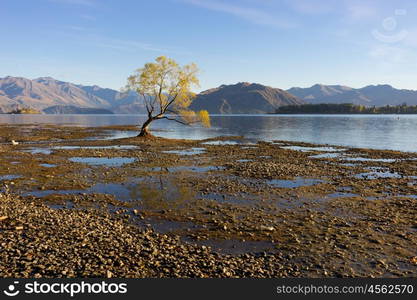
(392, 55)
(364, 10)
(252, 15)
(88, 17)
(309, 7)
(76, 28)
(127, 45)
(87, 37)
(411, 39)
(122, 44)
(89, 3)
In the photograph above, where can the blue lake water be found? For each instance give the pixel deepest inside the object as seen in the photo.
(395, 132)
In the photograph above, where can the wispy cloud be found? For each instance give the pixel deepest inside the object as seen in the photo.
(388, 54)
(87, 37)
(253, 15)
(88, 17)
(125, 45)
(397, 51)
(89, 3)
(394, 44)
(75, 28)
(132, 46)
(364, 10)
(311, 7)
(411, 39)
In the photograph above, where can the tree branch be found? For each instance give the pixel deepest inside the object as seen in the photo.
(169, 103)
(178, 121)
(146, 104)
(160, 92)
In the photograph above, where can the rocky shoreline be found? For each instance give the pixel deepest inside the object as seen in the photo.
(38, 241)
(79, 202)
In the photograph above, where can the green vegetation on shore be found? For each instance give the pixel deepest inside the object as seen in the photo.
(345, 108)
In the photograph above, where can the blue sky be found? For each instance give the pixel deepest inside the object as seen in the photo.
(281, 43)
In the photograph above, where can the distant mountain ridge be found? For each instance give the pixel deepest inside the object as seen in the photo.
(44, 92)
(372, 95)
(69, 109)
(243, 98)
(54, 96)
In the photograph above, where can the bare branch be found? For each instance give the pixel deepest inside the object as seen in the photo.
(146, 104)
(171, 111)
(160, 90)
(169, 103)
(179, 121)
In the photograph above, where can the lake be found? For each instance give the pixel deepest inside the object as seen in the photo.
(394, 132)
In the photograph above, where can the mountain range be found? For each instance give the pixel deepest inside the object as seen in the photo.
(371, 95)
(44, 92)
(54, 96)
(243, 98)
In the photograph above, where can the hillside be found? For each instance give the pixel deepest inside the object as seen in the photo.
(55, 96)
(61, 109)
(372, 95)
(243, 98)
(44, 92)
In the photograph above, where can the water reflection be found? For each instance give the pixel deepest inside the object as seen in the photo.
(162, 193)
(365, 131)
(103, 161)
(153, 193)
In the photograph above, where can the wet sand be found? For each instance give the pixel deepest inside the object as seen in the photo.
(79, 203)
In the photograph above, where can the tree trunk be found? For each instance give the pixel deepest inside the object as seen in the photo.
(144, 131)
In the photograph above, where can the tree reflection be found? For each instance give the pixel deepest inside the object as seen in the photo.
(163, 192)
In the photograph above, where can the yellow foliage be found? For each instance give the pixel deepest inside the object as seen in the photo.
(188, 116)
(165, 194)
(166, 90)
(204, 117)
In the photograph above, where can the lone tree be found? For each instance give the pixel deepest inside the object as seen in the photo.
(165, 88)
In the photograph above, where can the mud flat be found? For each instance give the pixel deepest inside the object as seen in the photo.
(82, 202)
